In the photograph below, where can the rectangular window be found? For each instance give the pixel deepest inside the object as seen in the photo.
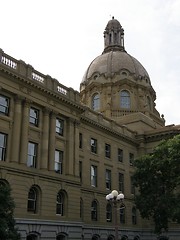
(108, 179)
(80, 140)
(34, 116)
(60, 126)
(107, 150)
(32, 155)
(93, 176)
(3, 146)
(80, 170)
(93, 145)
(58, 161)
(4, 105)
(120, 155)
(132, 186)
(131, 158)
(122, 215)
(121, 182)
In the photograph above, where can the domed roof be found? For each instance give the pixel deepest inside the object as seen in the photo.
(113, 23)
(114, 62)
(114, 58)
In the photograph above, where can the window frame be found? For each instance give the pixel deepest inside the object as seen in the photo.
(121, 182)
(80, 141)
(93, 176)
(94, 210)
(122, 215)
(108, 212)
(58, 162)
(93, 143)
(3, 146)
(125, 101)
(120, 155)
(60, 200)
(131, 158)
(108, 179)
(96, 102)
(32, 201)
(80, 170)
(34, 116)
(60, 126)
(4, 106)
(133, 189)
(32, 157)
(134, 215)
(107, 150)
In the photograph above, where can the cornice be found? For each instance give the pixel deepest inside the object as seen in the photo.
(109, 130)
(161, 134)
(39, 86)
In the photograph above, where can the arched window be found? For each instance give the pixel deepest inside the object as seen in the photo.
(60, 204)
(4, 183)
(95, 237)
(136, 238)
(108, 212)
(94, 210)
(134, 216)
(95, 102)
(111, 237)
(124, 238)
(125, 99)
(32, 237)
(32, 200)
(61, 237)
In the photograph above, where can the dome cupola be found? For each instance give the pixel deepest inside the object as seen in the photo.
(117, 85)
(113, 36)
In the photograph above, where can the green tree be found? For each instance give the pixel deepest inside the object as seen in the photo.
(7, 221)
(157, 178)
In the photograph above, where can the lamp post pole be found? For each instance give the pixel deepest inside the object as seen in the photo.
(114, 197)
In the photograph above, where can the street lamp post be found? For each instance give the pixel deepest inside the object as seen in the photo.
(114, 197)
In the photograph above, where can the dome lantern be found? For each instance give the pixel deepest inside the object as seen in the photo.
(113, 36)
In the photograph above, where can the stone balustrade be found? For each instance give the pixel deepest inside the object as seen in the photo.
(20, 68)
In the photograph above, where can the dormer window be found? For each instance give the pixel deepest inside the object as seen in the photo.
(125, 99)
(95, 102)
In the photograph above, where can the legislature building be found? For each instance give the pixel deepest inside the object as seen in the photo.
(62, 151)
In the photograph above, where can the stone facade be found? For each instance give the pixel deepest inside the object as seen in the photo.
(61, 158)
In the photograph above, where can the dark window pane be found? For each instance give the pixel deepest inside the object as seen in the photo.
(4, 105)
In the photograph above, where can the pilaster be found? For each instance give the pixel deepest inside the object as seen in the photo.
(52, 141)
(70, 147)
(45, 140)
(16, 129)
(24, 132)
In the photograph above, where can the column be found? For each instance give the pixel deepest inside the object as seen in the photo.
(52, 141)
(76, 148)
(70, 147)
(16, 131)
(24, 133)
(45, 140)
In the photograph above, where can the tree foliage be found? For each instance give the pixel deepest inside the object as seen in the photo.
(157, 178)
(7, 221)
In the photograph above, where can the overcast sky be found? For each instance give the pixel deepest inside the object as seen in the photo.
(61, 37)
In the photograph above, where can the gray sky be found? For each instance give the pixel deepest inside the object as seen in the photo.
(61, 37)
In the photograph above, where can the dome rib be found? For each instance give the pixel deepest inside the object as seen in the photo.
(113, 62)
